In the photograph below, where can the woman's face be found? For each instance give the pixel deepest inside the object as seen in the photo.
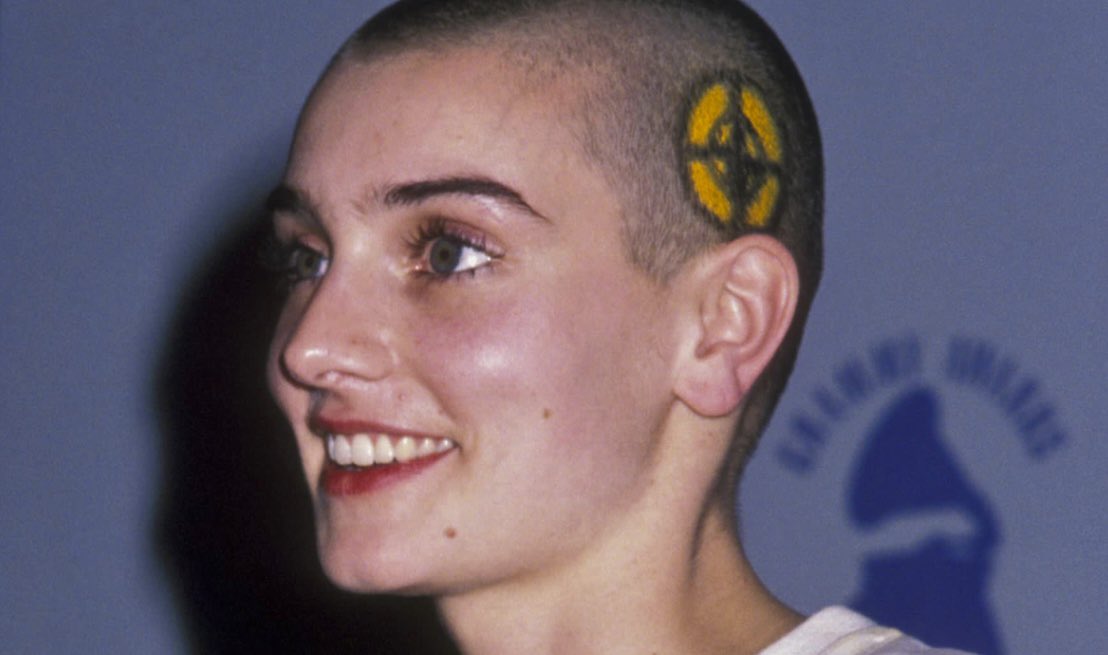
(462, 306)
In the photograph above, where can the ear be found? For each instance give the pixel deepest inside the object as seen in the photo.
(746, 294)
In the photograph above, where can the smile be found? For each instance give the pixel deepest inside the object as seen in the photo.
(366, 450)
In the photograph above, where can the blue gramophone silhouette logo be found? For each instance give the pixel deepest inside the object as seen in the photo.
(929, 536)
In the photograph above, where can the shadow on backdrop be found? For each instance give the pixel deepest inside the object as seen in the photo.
(235, 528)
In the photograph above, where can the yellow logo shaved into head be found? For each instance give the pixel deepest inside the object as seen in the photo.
(733, 153)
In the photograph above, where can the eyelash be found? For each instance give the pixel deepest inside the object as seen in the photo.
(433, 230)
(282, 257)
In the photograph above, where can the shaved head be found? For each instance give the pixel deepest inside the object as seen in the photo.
(691, 109)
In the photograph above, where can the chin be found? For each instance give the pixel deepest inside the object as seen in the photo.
(357, 566)
(369, 578)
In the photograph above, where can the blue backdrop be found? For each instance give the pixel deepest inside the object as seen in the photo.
(146, 502)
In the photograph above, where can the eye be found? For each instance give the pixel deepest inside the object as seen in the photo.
(293, 262)
(448, 254)
(442, 249)
(304, 263)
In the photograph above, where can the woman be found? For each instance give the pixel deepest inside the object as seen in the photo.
(548, 267)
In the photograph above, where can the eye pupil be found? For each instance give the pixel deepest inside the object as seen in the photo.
(307, 264)
(444, 256)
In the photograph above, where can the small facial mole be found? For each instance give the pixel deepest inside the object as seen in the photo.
(546, 413)
(450, 533)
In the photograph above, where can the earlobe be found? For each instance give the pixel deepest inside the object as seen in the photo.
(747, 291)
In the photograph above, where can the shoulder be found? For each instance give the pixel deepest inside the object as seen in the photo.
(840, 631)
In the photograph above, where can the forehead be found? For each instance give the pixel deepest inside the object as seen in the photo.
(424, 115)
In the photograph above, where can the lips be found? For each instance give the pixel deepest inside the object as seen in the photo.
(362, 458)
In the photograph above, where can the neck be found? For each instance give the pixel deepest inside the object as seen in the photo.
(657, 593)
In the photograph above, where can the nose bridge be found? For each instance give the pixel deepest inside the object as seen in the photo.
(340, 336)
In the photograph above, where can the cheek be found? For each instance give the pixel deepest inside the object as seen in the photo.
(551, 362)
(544, 395)
(496, 351)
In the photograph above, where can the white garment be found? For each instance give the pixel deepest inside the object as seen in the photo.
(840, 631)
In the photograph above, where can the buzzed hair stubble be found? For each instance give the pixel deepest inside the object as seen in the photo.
(692, 110)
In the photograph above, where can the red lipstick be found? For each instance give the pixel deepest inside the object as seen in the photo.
(339, 481)
(346, 479)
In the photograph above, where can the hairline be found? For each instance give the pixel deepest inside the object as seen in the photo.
(532, 69)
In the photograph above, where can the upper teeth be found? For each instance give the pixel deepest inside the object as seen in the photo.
(367, 450)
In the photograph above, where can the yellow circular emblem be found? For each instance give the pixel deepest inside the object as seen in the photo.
(733, 155)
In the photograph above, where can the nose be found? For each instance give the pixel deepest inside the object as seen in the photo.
(338, 338)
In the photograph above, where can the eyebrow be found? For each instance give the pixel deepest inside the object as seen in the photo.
(286, 199)
(416, 192)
